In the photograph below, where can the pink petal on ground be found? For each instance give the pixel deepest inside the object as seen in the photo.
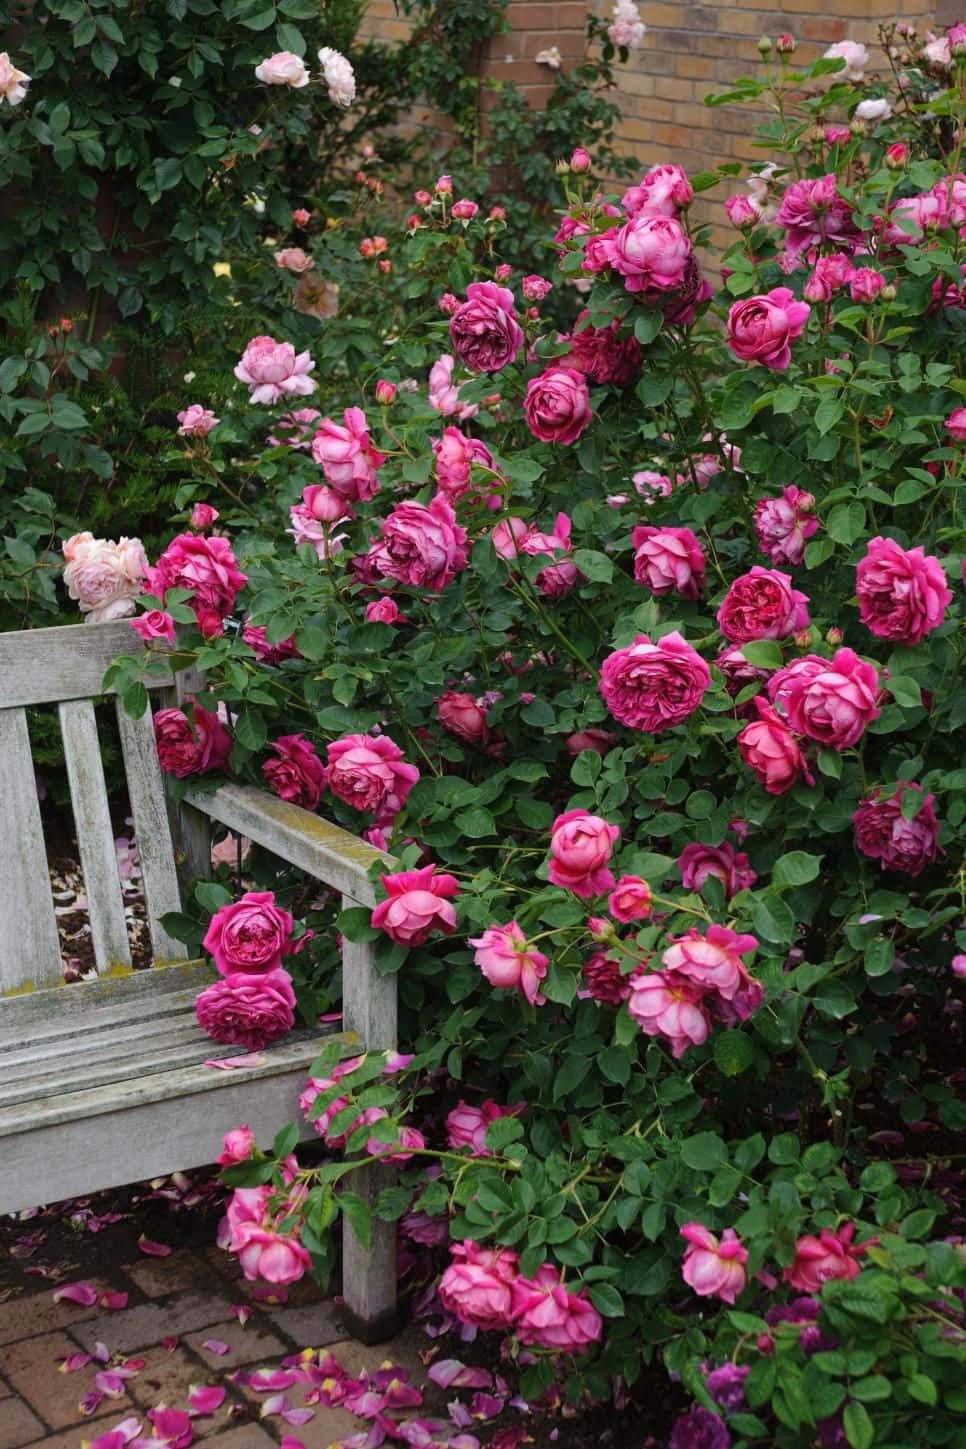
(83, 1293)
(172, 1425)
(277, 1404)
(73, 1362)
(216, 1346)
(170, 1344)
(366, 1440)
(112, 1299)
(270, 1292)
(110, 1383)
(459, 1414)
(298, 1416)
(486, 1406)
(90, 1403)
(205, 1399)
(464, 1441)
(101, 1352)
(449, 1373)
(151, 1249)
(290, 1442)
(117, 1437)
(243, 1312)
(227, 1064)
(267, 1381)
(331, 1016)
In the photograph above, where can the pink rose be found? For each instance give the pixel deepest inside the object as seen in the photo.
(651, 485)
(668, 560)
(208, 568)
(423, 547)
(785, 524)
(654, 686)
(602, 354)
(835, 705)
(866, 284)
(768, 746)
(196, 421)
(274, 1256)
(557, 405)
(256, 637)
(882, 832)
(463, 717)
(155, 624)
(347, 457)
(902, 593)
(731, 867)
(191, 749)
(298, 775)
(509, 963)
(738, 674)
(247, 1011)
(829, 275)
(294, 259)
(464, 209)
(714, 1269)
(911, 216)
(762, 329)
(580, 847)
(535, 288)
(762, 604)
(603, 979)
(651, 253)
(630, 900)
(238, 1146)
(477, 1285)
(203, 516)
(956, 425)
(598, 740)
(855, 56)
(455, 456)
(386, 392)
(663, 191)
(249, 936)
(444, 395)
(273, 370)
(812, 215)
(295, 429)
(383, 611)
(104, 576)
(742, 213)
(283, 69)
(547, 1315)
(418, 904)
(368, 772)
(712, 961)
(669, 1006)
(484, 331)
(830, 1255)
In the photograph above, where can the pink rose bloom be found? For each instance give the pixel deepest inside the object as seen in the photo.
(203, 516)
(273, 370)
(835, 705)
(298, 775)
(301, 217)
(208, 567)
(630, 900)
(294, 259)
(256, 637)
(813, 215)
(666, 1005)
(247, 1011)
(651, 485)
(455, 456)
(829, 275)
(347, 457)
(580, 847)
(484, 331)
(466, 1126)
(854, 54)
(249, 936)
(712, 961)
(295, 429)
(383, 611)
(866, 284)
(386, 392)
(427, 1231)
(882, 832)
(547, 1315)
(738, 674)
(603, 979)
(768, 746)
(275, 1257)
(13, 82)
(902, 593)
(477, 1285)
(509, 536)
(654, 687)
(668, 560)
(535, 288)
(368, 772)
(239, 1144)
(762, 604)
(663, 191)
(602, 354)
(104, 576)
(509, 963)
(191, 749)
(196, 421)
(423, 547)
(464, 717)
(324, 536)
(818, 1260)
(742, 212)
(155, 624)
(283, 69)
(714, 1269)
(762, 329)
(680, 307)
(599, 250)
(557, 405)
(598, 740)
(651, 253)
(785, 524)
(911, 216)
(697, 862)
(512, 535)
(444, 395)
(418, 905)
(464, 210)
(956, 425)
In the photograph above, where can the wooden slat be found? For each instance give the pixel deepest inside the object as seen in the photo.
(95, 834)
(190, 830)
(305, 840)
(45, 666)
(151, 829)
(35, 1015)
(29, 943)
(368, 998)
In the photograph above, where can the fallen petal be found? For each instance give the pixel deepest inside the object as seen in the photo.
(298, 1416)
(151, 1249)
(112, 1299)
(243, 1312)
(84, 1293)
(205, 1399)
(267, 1381)
(216, 1346)
(90, 1403)
(290, 1442)
(115, 1438)
(170, 1344)
(227, 1064)
(73, 1362)
(277, 1404)
(450, 1373)
(269, 1293)
(101, 1352)
(110, 1383)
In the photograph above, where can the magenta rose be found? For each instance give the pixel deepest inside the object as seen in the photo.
(237, 1146)
(466, 1126)
(557, 405)
(580, 847)
(762, 329)
(654, 686)
(547, 1315)
(418, 904)
(603, 979)
(484, 331)
(768, 746)
(186, 748)
(819, 1260)
(882, 832)
(663, 191)
(420, 546)
(509, 963)
(276, 1257)
(738, 674)
(455, 456)
(248, 1011)
(463, 717)
(155, 624)
(630, 900)
(813, 214)
(477, 1285)
(369, 773)
(347, 457)
(203, 516)
(902, 593)
(602, 354)
(668, 560)
(651, 253)
(208, 568)
(834, 704)
(249, 936)
(762, 604)
(697, 862)
(712, 961)
(785, 524)
(298, 775)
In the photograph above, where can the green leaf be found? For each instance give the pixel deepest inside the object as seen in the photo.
(606, 1299)
(290, 38)
(905, 691)
(921, 1388)
(773, 920)
(135, 699)
(796, 868)
(647, 325)
(183, 928)
(476, 823)
(763, 653)
(285, 1140)
(734, 1052)
(879, 956)
(356, 1210)
(705, 1151)
(846, 522)
(211, 896)
(859, 1429)
(250, 730)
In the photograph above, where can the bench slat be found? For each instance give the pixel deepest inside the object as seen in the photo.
(34, 1014)
(95, 834)
(45, 666)
(152, 831)
(29, 943)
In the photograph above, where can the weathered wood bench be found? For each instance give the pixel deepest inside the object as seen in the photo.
(104, 1083)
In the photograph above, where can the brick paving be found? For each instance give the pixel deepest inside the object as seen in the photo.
(187, 1297)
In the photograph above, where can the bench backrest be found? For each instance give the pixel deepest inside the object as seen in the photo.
(66, 666)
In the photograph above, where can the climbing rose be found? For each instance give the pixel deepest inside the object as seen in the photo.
(902, 593)
(557, 405)
(298, 775)
(630, 900)
(882, 832)
(444, 394)
(830, 1255)
(421, 546)
(338, 75)
(484, 330)
(464, 717)
(249, 936)
(455, 456)
(196, 421)
(667, 1005)
(834, 704)
(854, 54)
(154, 625)
(668, 560)
(762, 604)
(294, 259)
(191, 749)
(602, 354)
(203, 516)
(654, 686)
(546, 1314)
(762, 329)
(651, 253)
(247, 1011)
(256, 637)
(699, 1429)
(662, 191)
(768, 746)
(604, 980)
(712, 961)
(713, 1268)
(627, 28)
(283, 69)
(812, 214)
(238, 1145)
(104, 576)
(418, 904)
(368, 772)
(955, 425)
(273, 370)
(785, 524)
(509, 963)
(208, 567)
(731, 867)
(580, 847)
(477, 1285)
(466, 1126)
(347, 457)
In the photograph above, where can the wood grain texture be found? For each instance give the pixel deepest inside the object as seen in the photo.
(45, 666)
(369, 1274)
(29, 943)
(95, 834)
(151, 828)
(368, 999)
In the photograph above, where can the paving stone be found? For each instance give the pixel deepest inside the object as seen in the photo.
(328, 1427)
(4, 1389)
(166, 1379)
(157, 1277)
(248, 1345)
(18, 1424)
(246, 1436)
(149, 1323)
(313, 1325)
(71, 1438)
(24, 1317)
(402, 1350)
(31, 1370)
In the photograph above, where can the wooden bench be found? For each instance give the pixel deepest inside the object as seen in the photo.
(104, 1082)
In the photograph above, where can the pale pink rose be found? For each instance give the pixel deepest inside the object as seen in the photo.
(104, 576)
(731, 867)
(444, 395)
(418, 904)
(580, 847)
(768, 746)
(196, 421)
(283, 69)
(203, 516)
(368, 772)
(663, 191)
(191, 749)
(256, 637)
(557, 405)
(762, 329)
(509, 962)
(455, 456)
(484, 330)
(463, 716)
(383, 611)
(13, 82)
(476, 1287)
(902, 593)
(654, 687)
(547, 1315)
(837, 702)
(630, 900)
(666, 1005)
(714, 1269)
(298, 775)
(711, 961)
(247, 1011)
(762, 604)
(911, 216)
(652, 485)
(535, 288)
(208, 567)
(154, 625)
(785, 524)
(956, 425)
(239, 1144)
(668, 560)
(627, 29)
(819, 1260)
(651, 253)
(274, 370)
(854, 54)
(602, 354)
(339, 77)
(938, 52)
(883, 833)
(346, 455)
(294, 259)
(249, 936)
(421, 546)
